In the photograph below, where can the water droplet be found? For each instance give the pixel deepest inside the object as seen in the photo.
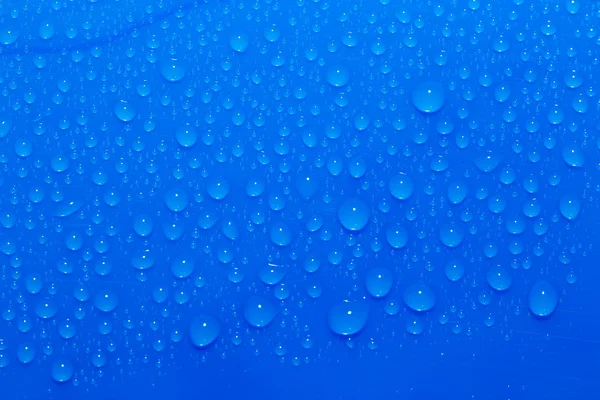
(379, 282)
(143, 225)
(259, 312)
(204, 330)
(499, 278)
(272, 274)
(25, 353)
(414, 325)
(570, 206)
(401, 186)
(451, 235)
(239, 42)
(218, 189)
(106, 301)
(182, 267)
(173, 70)
(457, 192)
(348, 317)
(573, 156)
(125, 111)
(454, 271)
(396, 236)
(354, 214)
(543, 299)
(176, 199)
(338, 76)
(281, 234)
(46, 309)
(187, 135)
(62, 370)
(419, 297)
(428, 97)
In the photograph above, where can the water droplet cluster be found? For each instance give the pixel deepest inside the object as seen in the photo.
(201, 174)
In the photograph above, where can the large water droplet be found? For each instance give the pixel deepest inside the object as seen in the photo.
(239, 42)
(454, 270)
(125, 111)
(182, 267)
(379, 282)
(419, 297)
(176, 199)
(348, 317)
(204, 330)
(259, 312)
(62, 370)
(272, 274)
(354, 214)
(25, 353)
(106, 301)
(499, 278)
(573, 155)
(338, 76)
(218, 189)
(543, 299)
(401, 186)
(570, 206)
(451, 235)
(428, 97)
(396, 236)
(280, 234)
(187, 135)
(173, 70)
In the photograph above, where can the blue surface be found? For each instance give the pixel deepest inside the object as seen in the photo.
(299, 199)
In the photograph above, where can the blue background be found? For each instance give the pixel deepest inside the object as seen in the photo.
(67, 69)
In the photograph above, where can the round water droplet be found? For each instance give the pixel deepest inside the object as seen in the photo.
(62, 370)
(428, 97)
(182, 267)
(457, 192)
(414, 325)
(204, 330)
(8, 34)
(499, 278)
(25, 353)
(451, 235)
(173, 70)
(419, 297)
(543, 299)
(570, 206)
(239, 42)
(143, 225)
(106, 301)
(271, 274)
(573, 156)
(379, 282)
(218, 189)
(348, 317)
(34, 283)
(125, 111)
(396, 236)
(401, 186)
(259, 312)
(338, 76)
(46, 309)
(176, 199)
(354, 214)
(454, 271)
(487, 162)
(187, 135)
(307, 186)
(280, 234)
